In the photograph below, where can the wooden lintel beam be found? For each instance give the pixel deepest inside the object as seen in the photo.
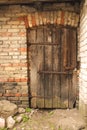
(23, 1)
(7, 2)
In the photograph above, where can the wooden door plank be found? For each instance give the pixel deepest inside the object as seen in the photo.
(48, 77)
(48, 67)
(32, 36)
(40, 64)
(63, 78)
(73, 46)
(40, 85)
(69, 43)
(36, 81)
(33, 68)
(56, 67)
(33, 75)
(72, 78)
(36, 64)
(40, 35)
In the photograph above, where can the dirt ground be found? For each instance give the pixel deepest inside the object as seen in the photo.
(52, 120)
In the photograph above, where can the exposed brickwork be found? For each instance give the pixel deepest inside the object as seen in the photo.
(53, 17)
(13, 60)
(13, 44)
(83, 61)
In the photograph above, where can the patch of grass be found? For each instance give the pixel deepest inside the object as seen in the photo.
(62, 129)
(14, 129)
(25, 118)
(51, 113)
(28, 109)
(59, 128)
(52, 127)
(3, 129)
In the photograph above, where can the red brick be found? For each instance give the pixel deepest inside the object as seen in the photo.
(9, 95)
(33, 20)
(48, 17)
(18, 95)
(17, 79)
(3, 80)
(55, 17)
(19, 64)
(23, 64)
(22, 34)
(62, 17)
(26, 22)
(11, 80)
(24, 79)
(22, 49)
(1, 94)
(25, 95)
(40, 18)
(37, 18)
(30, 20)
(4, 34)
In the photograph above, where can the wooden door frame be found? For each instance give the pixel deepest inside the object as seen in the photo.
(29, 88)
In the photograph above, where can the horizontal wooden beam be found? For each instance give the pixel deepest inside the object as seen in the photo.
(6, 2)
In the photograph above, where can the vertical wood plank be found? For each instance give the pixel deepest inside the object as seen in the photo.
(56, 67)
(63, 78)
(33, 68)
(33, 75)
(72, 78)
(48, 77)
(70, 59)
(32, 36)
(36, 64)
(48, 67)
(40, 85)
(73, 46)
(40, 64)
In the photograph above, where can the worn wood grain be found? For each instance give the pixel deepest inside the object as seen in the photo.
(48, 88)
(63, 78)
(48, 67)
(73, 78)
(6, 2)
(56, 67)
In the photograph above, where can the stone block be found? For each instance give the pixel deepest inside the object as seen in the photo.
(4, 38)
(13, 98)
(25, 103)
(7, 108)
(13, 30)
(2, 90)
(13, 23)
(2, 123)
(6, 27)
(4, 18)
(24, 98)
(3, 30)
(10, 122)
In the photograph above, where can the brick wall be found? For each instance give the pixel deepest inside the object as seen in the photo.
(13, 50)
(83, 60)
(59, 17)
(13, 56)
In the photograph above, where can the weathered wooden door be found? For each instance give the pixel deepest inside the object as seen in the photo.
(52, 57)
